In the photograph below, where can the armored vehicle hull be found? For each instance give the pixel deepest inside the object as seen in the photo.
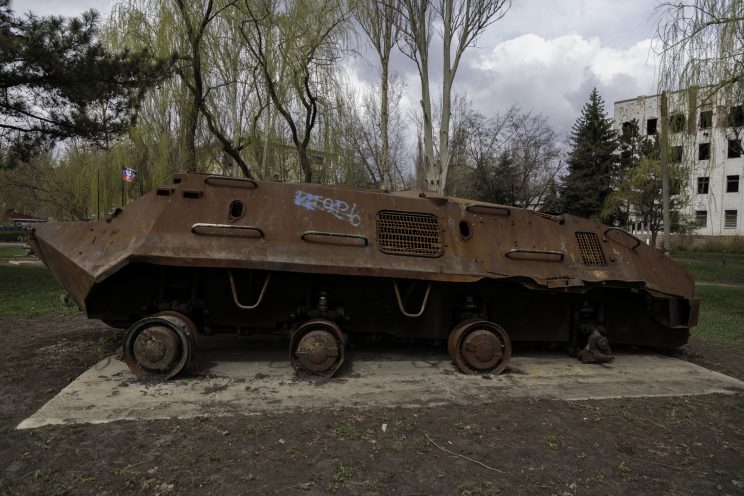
(321, 264)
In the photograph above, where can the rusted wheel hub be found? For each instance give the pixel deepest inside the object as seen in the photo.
(161, 345)
(156, 348)
(478, 346)
(317, 347)
(481, 349)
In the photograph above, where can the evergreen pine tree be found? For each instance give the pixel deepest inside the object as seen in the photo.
(60, 81)
(592, 161)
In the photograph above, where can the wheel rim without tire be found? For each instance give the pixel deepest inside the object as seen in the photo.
(479, 346)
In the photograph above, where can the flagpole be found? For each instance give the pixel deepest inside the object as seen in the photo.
(122, 189)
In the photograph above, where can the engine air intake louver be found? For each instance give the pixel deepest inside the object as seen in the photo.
(405, 233)
(591, 252)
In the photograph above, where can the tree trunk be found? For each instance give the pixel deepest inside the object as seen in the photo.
(192, 121)
(443, 167)
(385, 182)
(305, 163)
(432, 174)
(665, 169)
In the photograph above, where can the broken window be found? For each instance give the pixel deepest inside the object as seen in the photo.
(703, 184)
(651, 126)
(736, 116)
(677, 123)
(729, 221)
(627, 129)
(701, 218)
(704, 151)
(676, 154)
(734, 148)
(732, 184)
(706, 119)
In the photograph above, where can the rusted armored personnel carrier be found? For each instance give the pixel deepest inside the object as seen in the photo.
(321, 264)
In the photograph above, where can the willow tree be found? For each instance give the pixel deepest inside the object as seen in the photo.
(211, 67)
(307, 37)
(462, 23)
(702, 45)
(701, 51)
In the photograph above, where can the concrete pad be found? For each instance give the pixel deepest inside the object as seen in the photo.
(231, 380)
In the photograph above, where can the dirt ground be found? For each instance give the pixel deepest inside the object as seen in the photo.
(684, 445)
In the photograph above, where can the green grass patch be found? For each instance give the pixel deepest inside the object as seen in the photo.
(26, 291)
(12, 252)
(721, 314)
(709, 266)
(707, 255)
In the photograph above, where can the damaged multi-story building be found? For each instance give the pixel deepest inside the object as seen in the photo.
(706, 139)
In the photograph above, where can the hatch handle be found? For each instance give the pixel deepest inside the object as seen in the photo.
(260, 296)
(200, 225)
(516, 251)
(488, 209)
(240, 181)
(308, 236)
(638, 241)
(400, 302)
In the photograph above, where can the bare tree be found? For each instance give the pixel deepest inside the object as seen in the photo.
(380, 22)
(463, 21)
(367, 141)
(511, 158)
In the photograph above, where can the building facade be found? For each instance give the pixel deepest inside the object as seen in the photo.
(707, 140)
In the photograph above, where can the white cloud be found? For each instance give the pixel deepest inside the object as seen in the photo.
(555, 75)
(67, 8)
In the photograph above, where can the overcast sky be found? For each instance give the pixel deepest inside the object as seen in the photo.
(545, 55)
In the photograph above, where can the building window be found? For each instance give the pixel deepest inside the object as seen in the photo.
(677, 123)
(701, 218)
(729, 221)
(706, 119)
(734, 148)
(732, 184)
(651, 126)
(676, 154)
(736, 116)
(703, 184)
(627, 129)
(704, 151)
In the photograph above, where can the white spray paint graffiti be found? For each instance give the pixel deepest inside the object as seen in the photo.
(338, 208)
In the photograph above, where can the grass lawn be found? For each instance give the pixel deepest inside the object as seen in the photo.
(29, 291)
(709, 266)
(721, 314)
(12, 252)
(721, 308)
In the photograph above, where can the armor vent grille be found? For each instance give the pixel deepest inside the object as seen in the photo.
(591, 252)
(555, 218)
(405, 233)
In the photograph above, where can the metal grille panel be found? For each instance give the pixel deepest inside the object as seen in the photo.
(554, 218)
(591, 252)
(405, 233)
